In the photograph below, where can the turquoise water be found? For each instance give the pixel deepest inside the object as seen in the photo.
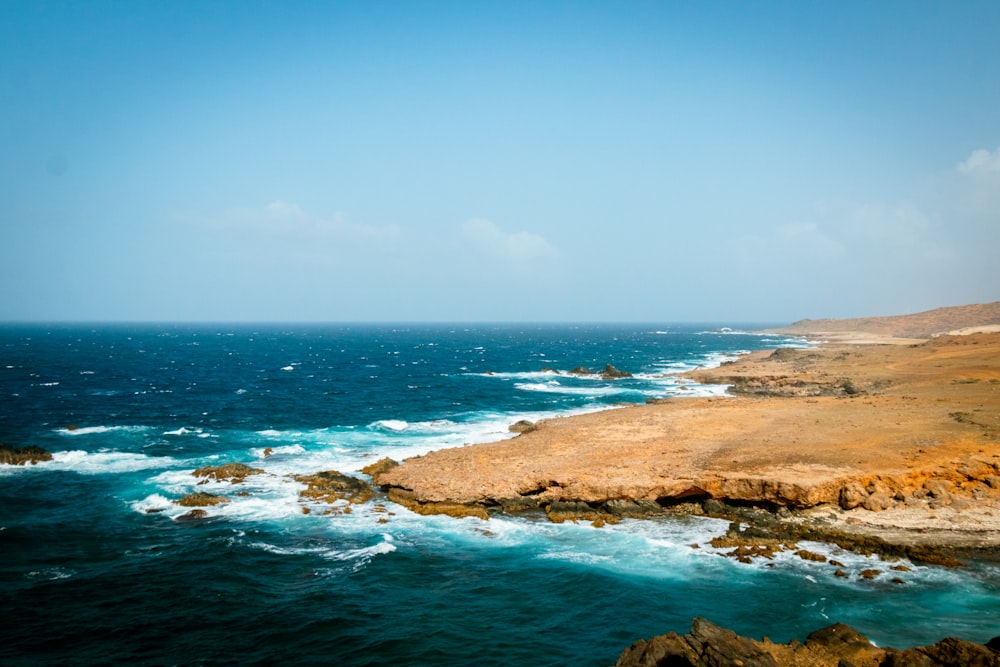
(100, 566)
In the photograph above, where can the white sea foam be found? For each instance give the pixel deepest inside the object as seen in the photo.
(95, 430)
(277, 452)
(151, 504)
(554, 387)
(182, 431)
(94, 463)
(396, 425)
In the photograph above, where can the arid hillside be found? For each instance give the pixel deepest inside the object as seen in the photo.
(918, 325)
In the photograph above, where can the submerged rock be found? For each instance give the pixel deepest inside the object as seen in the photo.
(708, 645)
(18, 456)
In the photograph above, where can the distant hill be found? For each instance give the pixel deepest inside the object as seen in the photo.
(917, 325)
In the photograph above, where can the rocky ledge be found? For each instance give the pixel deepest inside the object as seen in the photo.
(708, 645)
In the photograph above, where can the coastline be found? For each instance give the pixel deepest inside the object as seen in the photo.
(887, 446)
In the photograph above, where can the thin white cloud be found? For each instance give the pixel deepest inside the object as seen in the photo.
(285, 219)
(520, 247)
(980, 161)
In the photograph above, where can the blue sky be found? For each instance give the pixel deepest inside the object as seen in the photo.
(488, 161)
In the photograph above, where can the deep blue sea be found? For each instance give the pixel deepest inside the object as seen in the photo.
(98, 567)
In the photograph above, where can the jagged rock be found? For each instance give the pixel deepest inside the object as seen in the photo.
(948, 652)
(330, 486)
(201, 500)
(523, 426)
(382, 465)
(612, 373)
(939, 488)
(18, 456)
(234, 472)
(192, 515)
(580, 370)
(633, 509)
(878, 502)
(852, 495)
(708, 645)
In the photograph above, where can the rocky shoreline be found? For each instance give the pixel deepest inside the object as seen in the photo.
(879, 448)
(708, 645)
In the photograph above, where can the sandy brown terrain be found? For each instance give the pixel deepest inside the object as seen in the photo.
(900, 441)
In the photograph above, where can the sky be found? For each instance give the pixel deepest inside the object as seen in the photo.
(474, 161)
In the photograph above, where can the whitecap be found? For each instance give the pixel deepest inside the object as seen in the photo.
(281, 450)
(396, 425)
(182, 431)
(288, 368)
(92, 430)
(96, 463)
(151, 504)
(554, 387)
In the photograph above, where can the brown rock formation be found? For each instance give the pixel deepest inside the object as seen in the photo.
(708, 645)
(330, 486)
(234, 472)
(18, 456)
(201, 500)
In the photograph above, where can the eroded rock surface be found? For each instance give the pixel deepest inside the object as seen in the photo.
(708, 645)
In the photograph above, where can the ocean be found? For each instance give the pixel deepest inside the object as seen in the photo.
(100, 566)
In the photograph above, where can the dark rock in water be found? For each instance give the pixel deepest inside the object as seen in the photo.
(234, 472)
(330, 486)
(523, 426)
(580, 370)
(192, 515)
(18, 456)
(708, 645)
(201, 500)
(612, 373)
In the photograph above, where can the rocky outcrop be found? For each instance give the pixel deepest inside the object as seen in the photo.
(609, 372)
(382, 465)
(708, 645)
(201, 500)
(612, 373)
(523, 426)
(18, 456)
(330, 486)
(232, 472)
